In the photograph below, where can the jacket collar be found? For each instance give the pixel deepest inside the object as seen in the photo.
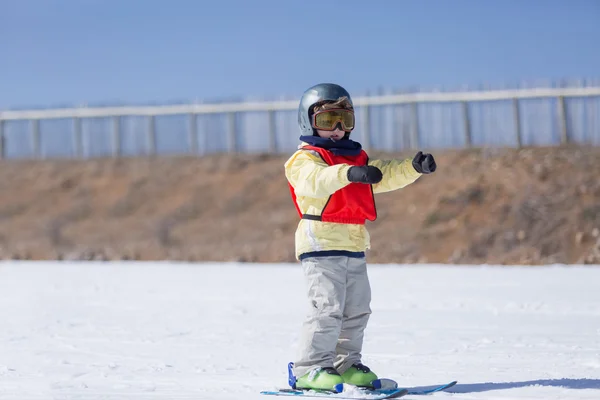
(344, 147)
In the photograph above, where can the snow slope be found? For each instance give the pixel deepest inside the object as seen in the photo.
(227, 331)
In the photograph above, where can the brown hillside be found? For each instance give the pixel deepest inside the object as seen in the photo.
(527, 206)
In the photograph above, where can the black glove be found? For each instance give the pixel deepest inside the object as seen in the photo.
(424, 163)
(365, 174)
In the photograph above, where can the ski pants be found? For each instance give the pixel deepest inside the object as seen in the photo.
(340, 295)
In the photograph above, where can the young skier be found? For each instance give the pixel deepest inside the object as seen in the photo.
(332, 182)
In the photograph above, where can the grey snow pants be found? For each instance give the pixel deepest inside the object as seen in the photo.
(340, 296)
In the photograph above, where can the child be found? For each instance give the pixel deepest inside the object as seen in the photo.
(332, 182)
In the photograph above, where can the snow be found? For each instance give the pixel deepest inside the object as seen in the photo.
(227, 331)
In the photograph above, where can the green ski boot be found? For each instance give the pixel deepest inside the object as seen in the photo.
(359, 375)
(320, 379)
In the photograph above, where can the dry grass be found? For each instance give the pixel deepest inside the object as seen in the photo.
(530, 206)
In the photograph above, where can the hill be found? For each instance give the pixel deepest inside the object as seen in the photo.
(505, 206)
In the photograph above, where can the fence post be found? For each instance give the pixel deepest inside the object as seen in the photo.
(231, 134)
(151, 135)
(414, 129)
(1, 139)
(77, 138)
(467, 123)
(116, 136)
(517, 121)
(366, 124)
(35, 137)
(272, 133)
(193, 133)
(562, 120)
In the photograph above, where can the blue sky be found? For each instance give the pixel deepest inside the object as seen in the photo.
(69, 52)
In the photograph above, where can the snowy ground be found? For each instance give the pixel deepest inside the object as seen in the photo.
(227, 331)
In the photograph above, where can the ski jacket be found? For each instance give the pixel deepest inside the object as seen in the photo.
(313, 182)
(352, 204)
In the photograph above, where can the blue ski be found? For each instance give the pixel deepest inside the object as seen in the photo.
(354, 393)
(422, 390)
(364, 394)
(382, 389)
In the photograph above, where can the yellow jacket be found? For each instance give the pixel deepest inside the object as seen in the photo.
(314, 181)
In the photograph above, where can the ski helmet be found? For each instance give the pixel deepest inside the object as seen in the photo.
(314, 95)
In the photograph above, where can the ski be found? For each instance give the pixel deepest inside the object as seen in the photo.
(347, 393)
(423, 390)
(383, 388)
(385, 383)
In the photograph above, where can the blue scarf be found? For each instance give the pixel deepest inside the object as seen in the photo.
(344, 147)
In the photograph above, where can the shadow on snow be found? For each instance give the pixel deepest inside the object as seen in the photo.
(565, 383)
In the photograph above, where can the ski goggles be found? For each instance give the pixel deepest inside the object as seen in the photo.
(327, 120)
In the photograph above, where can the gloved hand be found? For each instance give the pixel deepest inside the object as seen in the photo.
(365, 174)
(424, 163)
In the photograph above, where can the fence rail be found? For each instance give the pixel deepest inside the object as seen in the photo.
(409, 113)
(292, 105)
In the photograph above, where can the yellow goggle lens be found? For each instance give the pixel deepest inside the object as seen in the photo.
(328, 119)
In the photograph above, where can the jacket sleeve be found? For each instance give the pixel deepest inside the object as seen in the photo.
(312, 177)
(396, 174)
